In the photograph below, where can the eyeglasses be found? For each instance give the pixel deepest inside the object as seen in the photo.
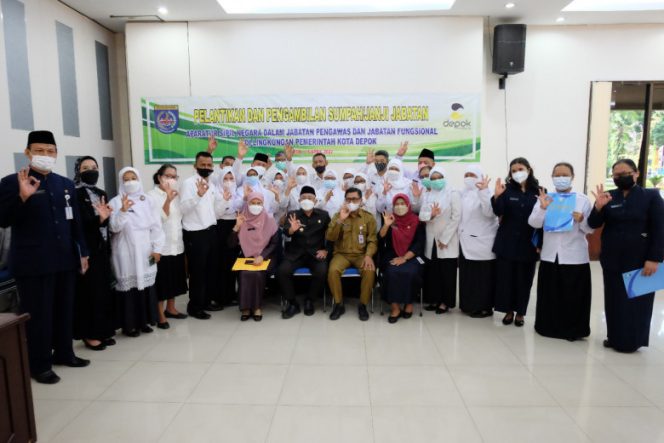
(353, 200)
(171, 176)
(624, 174)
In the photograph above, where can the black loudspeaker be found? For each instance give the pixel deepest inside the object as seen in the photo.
(509, 49)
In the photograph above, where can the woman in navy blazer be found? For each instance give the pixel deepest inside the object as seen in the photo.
(633, 238)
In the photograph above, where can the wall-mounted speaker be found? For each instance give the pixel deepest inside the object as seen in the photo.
(509, 49)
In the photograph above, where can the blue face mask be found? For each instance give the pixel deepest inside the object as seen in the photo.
(562, 183)
(280, 166)
(438, 184)
(252, 180)
(330, 184)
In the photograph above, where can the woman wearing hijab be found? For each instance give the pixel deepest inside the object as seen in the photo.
(296, 181)
(252, 183)
(277, 184)
(441, 210)
(330, 197)
(401, 242)
(348, 178)
(256, 232)
(94, 303)
(226, 214)
(477, 233)
(395, 183)
(137, 242)
(171, 272)
(369, 199)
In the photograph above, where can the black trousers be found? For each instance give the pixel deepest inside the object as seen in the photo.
(227, 255)
(318, 270)
(202, 252)
(49, 299)
(513, 283)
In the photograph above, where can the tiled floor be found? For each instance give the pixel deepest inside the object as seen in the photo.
(438, 378)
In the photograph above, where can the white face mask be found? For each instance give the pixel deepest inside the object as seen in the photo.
(361, 186)
(520, 176)
(278, 183)
(353, 207)
(401, 210)
(392, 175)
(306, 205)
(301, 179)
(132, 186)
(229, 185)
(43, 162)
(171, 183)
(255, 209)
(470, 183)
(562, 183)
(348, 182)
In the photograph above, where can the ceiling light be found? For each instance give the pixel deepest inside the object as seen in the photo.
(560, 19)
(163, 10)
(614, 5)
(330, 6)
(510, 5)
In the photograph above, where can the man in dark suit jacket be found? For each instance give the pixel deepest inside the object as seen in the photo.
(307, 248)
(47, 249)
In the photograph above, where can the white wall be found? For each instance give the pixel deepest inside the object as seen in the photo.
(331, 56)
(41, 16)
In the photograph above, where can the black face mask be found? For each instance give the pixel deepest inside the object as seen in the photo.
(90, 177)
(203, 172)
(380, 167)
(624, 182)
(320, 169)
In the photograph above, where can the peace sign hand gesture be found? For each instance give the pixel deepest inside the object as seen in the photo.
(212, 144)
(371, 157)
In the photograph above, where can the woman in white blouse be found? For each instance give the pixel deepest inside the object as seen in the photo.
(171, 273)
(477, 232)
(330, 197)
(563, 282)
(137, 242)
(441, 210)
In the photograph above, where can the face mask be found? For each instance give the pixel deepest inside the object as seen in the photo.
(320, 169)
(306, 205)
(278, 183)
(380, 167)
(203, 172)
(90, 177)
(301, 179)
(392, 176)
(624, 182)
(259, 169)
(520, 176)
(353, 207)
(132, 186)
(255, 209)
(562, 183)
(401, 210)
(172, 183)
(229, 184)
(438, 184)
(280, 166)
(348, 182)
(470, 183)
(361, 186)
(252, 180)
(330, 184)
(43, 162)
(426, 182)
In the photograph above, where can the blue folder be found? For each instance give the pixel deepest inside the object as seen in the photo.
(559, 216)
(637, 285)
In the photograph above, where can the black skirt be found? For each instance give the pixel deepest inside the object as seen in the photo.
(401, 284)
(171, 277)
(137, 308)
(514, 279)
(563, 300)
(95, 301)
(441, 280)
(477, 284)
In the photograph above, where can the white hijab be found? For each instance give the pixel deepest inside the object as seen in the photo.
(401, 183)
(479, 173)
(143, 217)
(442, 197)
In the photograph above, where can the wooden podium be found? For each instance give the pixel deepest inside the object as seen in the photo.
(17, 418)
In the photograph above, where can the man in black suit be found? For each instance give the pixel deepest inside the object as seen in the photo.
(47, 249)
(306, 229)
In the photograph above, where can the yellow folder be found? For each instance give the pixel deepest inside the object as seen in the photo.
(246, 264)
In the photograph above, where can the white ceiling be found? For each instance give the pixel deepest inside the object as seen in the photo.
(532, 12)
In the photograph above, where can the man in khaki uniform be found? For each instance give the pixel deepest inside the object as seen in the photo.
(353, 231)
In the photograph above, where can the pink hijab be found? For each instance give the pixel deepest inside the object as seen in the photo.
(257, 230)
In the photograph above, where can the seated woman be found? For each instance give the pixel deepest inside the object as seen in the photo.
(256, 232)
(401, 241)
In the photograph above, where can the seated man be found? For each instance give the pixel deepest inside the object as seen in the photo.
(306, 228)
(353, 231)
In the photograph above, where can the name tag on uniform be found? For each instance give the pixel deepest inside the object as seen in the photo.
(360, 238)
(616, 206)
(69, 213)
(514, 199)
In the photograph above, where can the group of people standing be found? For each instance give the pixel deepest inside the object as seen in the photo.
(408, 230)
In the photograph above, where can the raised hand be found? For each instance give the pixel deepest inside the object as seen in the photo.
(27, 185)
(201, 187)
(544, 199)
(239, 221)
(292, 184)
(289, 151)
(227, 194)
(403, 148)
(388, 218)
(344, 212)
(247, 191)
(435, 210)
(212, 144)
(368, 193)
(484, 183)
(416, 190)
(371, 157)
(273, 189)
(170, 192)
(329, 195)
(602, 198)
(295, 224)
(103, 210)
(126, 203)
(387, 187)
(242, 149)
(500, 188)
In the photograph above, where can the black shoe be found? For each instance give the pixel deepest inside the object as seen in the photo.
(213, 306)
(109, 341)
(362, 312)
(507, 320)
(406, 315)
(258, 317)
(442, 310)
(163, 325)
(201, 315)
(75, 362)
(481, 314)
(146, 329)
(394, 319)
(178, 316)
(518, 323)
(291, 310)
(606, 343)
(308, 307)
(48, 378)
(430, 308)
(337, 311)
(100, 347)
(245, 317)
(132, 333)
(228, 304)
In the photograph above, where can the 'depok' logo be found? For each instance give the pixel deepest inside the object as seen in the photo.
(166, 118)
(457, 119)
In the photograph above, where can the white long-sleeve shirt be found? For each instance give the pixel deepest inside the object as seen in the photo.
(571, 247)
(478, 226)
(442, 228)
(171, 223)
(198, 212)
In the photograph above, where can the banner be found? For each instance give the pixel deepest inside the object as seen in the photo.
(343, 127)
